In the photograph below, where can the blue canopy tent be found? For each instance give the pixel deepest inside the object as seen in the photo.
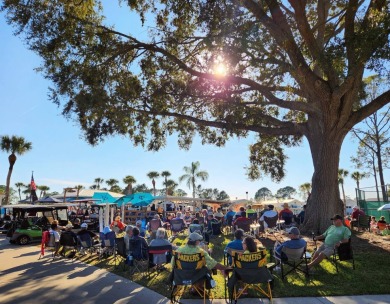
(139, 199)
(106, 201)
(104, 198)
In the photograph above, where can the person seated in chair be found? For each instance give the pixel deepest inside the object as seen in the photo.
(236, 244)
(42, 221)
(230, 214)
(128, 236)
(355, 216)
(84, 230)
(286, 214)
(76, 223)
(301, 216)
(187, 218)
(68, 231)
(333, 237)
(250, 212)
(356, 213)
(141, 252)
(270, 213)
(142, 231)
(210, 220)
(192, 246)
(381, 224)
(242, 218)
(239, 213)
(160, 240)
(295, 242)
(219, 215)
(249, 245)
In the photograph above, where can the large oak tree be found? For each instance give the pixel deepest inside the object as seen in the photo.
(293, 69)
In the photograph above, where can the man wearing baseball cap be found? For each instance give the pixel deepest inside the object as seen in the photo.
(333, 237)
(295, 242)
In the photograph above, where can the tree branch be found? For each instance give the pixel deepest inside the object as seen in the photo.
(368, 109)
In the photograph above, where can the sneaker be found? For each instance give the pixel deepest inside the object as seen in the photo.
(278, 269)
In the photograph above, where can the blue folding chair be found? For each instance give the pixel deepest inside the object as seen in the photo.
(108, 244)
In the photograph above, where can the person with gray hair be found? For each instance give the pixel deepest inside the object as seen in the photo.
(128, 236)
(160, 239)
(160, 259)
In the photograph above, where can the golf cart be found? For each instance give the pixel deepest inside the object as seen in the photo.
(30, 220)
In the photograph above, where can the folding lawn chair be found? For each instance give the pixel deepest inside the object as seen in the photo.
(249, 271)
(108, 244)
(190, 271)
(159, 256)
(343, 253)
(294, 259)
(86, 244)
(68, 242)
(177, 226)
(139, 256)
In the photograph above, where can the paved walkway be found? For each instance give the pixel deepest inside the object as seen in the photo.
(25, 279)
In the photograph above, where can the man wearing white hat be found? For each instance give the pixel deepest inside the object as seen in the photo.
(192, 247)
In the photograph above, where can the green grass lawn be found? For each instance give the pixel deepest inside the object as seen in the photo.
(370, 276)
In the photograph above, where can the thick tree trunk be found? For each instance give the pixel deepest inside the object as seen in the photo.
(325, 200)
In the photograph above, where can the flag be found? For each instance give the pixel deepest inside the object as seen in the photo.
(33, 187)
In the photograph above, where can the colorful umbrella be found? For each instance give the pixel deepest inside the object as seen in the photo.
(139, 199)
(104, 197)
(385, 207)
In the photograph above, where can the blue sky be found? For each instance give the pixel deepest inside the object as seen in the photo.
(61, 158)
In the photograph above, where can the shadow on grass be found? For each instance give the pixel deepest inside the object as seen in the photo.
(369, 277)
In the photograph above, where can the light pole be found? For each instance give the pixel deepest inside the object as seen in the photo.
(246, 195)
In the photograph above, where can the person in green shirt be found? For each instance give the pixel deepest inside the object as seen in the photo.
(192, 247)
(333, 237)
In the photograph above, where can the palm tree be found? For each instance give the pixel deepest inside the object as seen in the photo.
(116, 189)
(14, 145)
(129, 181)
(78, 188)
(26, 191)
(19, 185)
(305, 189)
(192, 173)
(170, 186)
(165, 174)
(180, 192)
(152, 175)
(112, 183)
(43, 190)
(357, 177)
(342, 174)
(98, 181)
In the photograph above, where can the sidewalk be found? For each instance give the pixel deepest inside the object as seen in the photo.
(25, 279)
